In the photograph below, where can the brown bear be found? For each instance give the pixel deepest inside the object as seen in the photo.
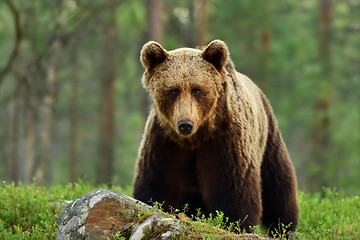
(212, 141)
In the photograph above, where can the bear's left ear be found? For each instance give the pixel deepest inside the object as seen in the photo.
(152, 54)
(216, 53)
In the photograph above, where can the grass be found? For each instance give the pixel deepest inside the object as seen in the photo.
(29, 212)
(328, 215)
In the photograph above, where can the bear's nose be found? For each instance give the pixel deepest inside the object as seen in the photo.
(185, 127)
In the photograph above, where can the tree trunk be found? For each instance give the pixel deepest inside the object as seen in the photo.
(265, 42)
(48, 99)
(107, 104)
(73, 118)
(18, 36)
(191, 27)
(13, 172)
(325, 19)
(202, 13)
(155, 20)
(321, 131)
(154, 13)
(29, 134)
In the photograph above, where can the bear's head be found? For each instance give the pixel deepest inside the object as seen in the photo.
(185, 83)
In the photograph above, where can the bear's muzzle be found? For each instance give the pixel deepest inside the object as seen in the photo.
(185, 127)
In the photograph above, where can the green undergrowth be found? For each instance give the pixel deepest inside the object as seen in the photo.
(329, 215)
(30, 212)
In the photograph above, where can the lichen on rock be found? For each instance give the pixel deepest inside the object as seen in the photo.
(102, 213)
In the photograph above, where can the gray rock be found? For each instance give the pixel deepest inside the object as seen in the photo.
(101, 213)
(157, 226)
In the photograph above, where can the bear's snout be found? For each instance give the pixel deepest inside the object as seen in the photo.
(185, 127)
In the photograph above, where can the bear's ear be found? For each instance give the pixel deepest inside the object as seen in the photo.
(216, 53)
(152, 54)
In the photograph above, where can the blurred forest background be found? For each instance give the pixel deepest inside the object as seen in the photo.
(72, 105)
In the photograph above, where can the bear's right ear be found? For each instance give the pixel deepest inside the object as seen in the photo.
(152, 54)
(216, 53)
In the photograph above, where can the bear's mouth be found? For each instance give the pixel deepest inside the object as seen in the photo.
(185, 127)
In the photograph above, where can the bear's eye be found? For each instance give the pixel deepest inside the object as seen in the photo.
(195, 92)
(173, 93)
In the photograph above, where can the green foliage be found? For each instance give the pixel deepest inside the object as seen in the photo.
(117, 236)
(290, 70)
(30, 212)
(280, 231)
(27, 211)
(324, 215)
(216, 220)
(329, 215)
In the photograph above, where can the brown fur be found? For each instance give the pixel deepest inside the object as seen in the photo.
(233, 160)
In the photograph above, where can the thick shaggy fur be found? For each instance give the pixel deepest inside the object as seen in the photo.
(233, 160)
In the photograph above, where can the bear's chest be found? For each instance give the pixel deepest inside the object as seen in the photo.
(185, 173)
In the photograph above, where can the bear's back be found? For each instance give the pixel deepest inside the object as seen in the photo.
(248, 111)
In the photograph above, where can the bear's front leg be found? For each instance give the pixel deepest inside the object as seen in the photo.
(230, 183)
(164, 170)
(154, 180)
(155, 168)
(153, 184)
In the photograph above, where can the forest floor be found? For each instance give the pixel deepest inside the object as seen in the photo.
(27, 212)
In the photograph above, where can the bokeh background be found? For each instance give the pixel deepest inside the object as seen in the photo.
(72, 105)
